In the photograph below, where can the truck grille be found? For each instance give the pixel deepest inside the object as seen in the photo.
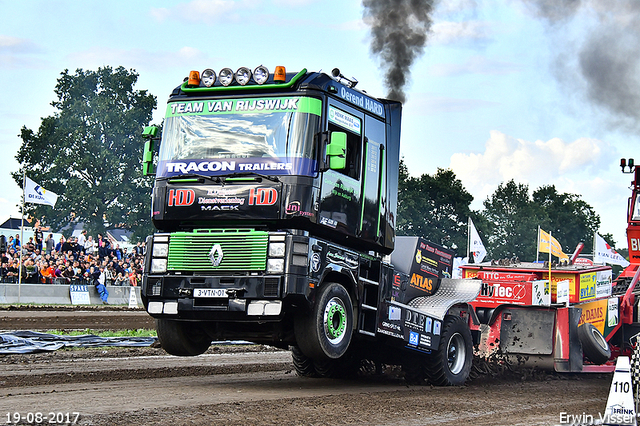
(241, 250)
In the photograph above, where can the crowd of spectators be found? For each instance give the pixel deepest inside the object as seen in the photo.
(72, 260)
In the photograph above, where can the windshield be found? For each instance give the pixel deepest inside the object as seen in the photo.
(271, 136)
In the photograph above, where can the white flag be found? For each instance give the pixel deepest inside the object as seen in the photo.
(604, 253)
(475, 244)
(34, 193)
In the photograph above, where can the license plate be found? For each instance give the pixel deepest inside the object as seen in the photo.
(210, 292)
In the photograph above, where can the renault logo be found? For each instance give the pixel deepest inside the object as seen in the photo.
(215, 255)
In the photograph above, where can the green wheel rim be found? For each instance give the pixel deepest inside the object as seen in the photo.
(335, 321)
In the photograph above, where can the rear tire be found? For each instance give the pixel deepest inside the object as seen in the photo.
(182, 338)
(451, 364)
(594, 345)
(326, 332)
(302, 363)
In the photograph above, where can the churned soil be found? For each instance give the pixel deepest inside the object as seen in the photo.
(255, 384)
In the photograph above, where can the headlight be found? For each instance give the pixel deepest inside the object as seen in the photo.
(275, 266)
(276, 249)
(225, 76)
(261, 74)
(243, 75)
(160, 250)
(208, 77)
(158, 266)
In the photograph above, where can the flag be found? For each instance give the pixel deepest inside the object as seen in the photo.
(475, 244)
(556, 248)
(34, 193)
(604, 253)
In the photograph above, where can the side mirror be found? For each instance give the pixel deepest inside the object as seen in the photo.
(337, 151)
(150, 134)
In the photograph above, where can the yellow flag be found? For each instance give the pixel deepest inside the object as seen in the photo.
(556, 248)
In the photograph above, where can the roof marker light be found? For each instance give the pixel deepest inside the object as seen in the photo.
(243, 75)
(261, 74)
(194, 78)
(225, 76)
(280, 76)
(208, 77)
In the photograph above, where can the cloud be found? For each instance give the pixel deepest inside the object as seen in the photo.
(475, 65)
(19, 46)
(579, 167)
(19, 53)
(534, 163)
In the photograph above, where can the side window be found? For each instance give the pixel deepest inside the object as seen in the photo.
(342, 121)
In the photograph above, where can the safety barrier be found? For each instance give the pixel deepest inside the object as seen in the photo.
(56, 294)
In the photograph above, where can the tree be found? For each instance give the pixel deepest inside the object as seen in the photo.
(513, 219)
(434, 207)
(89, 152)
(571, 219)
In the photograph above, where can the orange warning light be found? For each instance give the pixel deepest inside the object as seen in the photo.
(280, 76)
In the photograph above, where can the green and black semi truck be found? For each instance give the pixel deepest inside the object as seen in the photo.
(275, 207)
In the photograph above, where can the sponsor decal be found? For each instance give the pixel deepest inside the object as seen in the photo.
(423, 283)
(294, 209)
(246, 105)
(414, 338)
(588, 286)
(328, 222)
(427, 325)
(362, 101)
(595, 313)
(425, 340)
(415, 320)
(395, 313)
(391, 326)
(345, 120)
(603, 283)
(315, 262)
(436, 328)
(612, 312)
(220, 167)
(181, 197)
(390, 333)
(503, 290)
(263, 196)
(344, 259)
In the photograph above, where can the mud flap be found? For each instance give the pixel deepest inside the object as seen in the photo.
(451, 292)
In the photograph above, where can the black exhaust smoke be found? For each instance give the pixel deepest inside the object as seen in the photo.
(399, 30)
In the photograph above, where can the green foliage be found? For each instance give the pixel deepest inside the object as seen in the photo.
(434, 207)
(512, 220)
(89, 152)
(571, 220)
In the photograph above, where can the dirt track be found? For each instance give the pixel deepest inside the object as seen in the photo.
(256, 385)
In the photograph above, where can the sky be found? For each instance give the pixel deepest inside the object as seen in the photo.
(540, 91)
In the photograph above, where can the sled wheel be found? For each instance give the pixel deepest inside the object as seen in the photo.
(325, 333)
(182, 338)
(451, 364)
(594, 345)
(302, 363)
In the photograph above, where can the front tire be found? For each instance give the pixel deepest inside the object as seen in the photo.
(326, 332)
(451, 364)
(181, 338)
